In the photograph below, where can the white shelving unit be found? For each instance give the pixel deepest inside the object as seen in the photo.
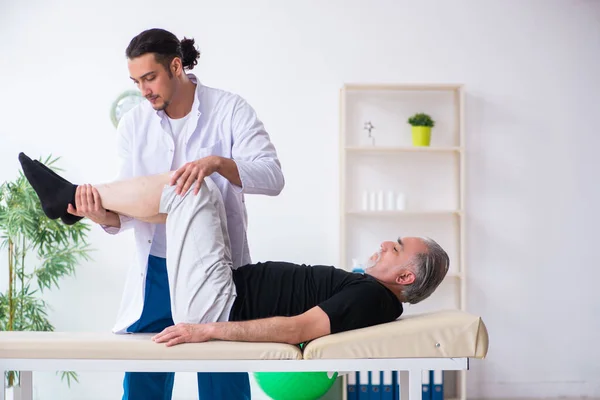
(431, 180)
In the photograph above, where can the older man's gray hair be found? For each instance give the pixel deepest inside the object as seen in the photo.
(430, 269)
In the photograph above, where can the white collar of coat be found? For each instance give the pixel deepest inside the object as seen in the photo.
(196, 104)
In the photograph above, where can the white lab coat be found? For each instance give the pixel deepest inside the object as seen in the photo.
(221, 124)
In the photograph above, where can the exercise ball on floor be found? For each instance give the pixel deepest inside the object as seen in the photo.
(295, 385)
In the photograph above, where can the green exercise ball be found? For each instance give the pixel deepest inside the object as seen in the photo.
(295, 385)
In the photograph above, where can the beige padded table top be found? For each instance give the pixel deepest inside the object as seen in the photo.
(442, 334)
(83, 345)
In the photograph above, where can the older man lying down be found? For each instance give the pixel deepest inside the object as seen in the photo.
(272, 301)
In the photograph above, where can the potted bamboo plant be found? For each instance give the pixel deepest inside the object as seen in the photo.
(421, 129)
(40, 252)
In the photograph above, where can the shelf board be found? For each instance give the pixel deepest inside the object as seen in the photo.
(407, 86)
(394, 213)
(399, 149)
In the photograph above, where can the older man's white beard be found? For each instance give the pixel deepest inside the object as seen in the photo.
(371, 263)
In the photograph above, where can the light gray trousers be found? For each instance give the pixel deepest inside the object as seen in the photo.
(198, 259)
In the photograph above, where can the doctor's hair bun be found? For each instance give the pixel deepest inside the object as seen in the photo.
(190, 53)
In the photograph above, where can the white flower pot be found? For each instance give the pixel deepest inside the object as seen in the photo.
(13, 393)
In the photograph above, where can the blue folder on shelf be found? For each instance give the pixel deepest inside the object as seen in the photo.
(364, 389)
(387, 385)
(437, 385)
(375, 384)
(426, 385)
(351, 388)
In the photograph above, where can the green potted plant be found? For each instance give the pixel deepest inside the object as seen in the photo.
(40, 252)
(421, 129)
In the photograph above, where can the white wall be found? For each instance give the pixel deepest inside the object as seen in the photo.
(531, 73)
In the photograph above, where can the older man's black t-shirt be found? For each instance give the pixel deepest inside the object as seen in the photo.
(351, 300)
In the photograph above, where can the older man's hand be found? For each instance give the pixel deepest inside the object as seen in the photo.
(184, 333)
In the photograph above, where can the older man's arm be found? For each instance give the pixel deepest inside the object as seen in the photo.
(310, 325)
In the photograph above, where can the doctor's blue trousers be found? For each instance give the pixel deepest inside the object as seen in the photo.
(156, 316)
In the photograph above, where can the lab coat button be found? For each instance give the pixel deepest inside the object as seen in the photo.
(149, 241)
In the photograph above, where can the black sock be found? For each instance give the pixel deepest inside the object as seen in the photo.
(54, 193)
(68, 219)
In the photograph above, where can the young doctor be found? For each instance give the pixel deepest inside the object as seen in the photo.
(197, 131)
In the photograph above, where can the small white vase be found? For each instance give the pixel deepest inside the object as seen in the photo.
(13, 393)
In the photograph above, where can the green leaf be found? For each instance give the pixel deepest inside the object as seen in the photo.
(68, 375)
(421, 119)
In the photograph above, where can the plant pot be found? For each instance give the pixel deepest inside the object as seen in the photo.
(421, 135)
(13, 393)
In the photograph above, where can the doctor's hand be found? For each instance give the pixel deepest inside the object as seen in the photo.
(88, 204)
(184, 333)
(194, 171)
